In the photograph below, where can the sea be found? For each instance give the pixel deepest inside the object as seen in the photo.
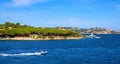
(103, 50)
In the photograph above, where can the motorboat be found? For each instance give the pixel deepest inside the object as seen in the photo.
(43, 52)
(92, 36)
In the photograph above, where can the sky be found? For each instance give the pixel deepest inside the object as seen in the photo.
(65, 13)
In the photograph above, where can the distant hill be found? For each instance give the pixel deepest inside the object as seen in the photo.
(95, 30)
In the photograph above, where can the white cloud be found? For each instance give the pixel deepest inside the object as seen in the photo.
(21, 3)
(27, 2)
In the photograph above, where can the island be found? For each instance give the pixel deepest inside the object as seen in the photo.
(16, 31)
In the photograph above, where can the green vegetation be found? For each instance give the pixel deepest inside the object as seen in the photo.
(17, 30)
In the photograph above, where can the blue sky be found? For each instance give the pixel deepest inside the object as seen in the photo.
(52, 13)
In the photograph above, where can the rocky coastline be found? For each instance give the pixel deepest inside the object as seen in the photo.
(47, 38)
(95, 30)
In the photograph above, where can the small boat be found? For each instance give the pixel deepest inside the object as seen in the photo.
(92, 36)
(43, 52)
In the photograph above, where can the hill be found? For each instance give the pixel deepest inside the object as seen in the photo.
(17, 31)
(95, 30)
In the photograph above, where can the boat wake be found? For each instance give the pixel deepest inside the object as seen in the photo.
(25, 54)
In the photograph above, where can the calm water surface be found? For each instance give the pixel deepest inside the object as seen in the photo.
(105, 50)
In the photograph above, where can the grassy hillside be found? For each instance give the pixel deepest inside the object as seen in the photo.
(17, 30)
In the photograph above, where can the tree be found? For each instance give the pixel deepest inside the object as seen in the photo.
(1, 26)
(17, 25)
(8, 25)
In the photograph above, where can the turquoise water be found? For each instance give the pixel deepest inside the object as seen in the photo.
(105, 50)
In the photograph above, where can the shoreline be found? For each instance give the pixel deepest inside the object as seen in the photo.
(28, 38)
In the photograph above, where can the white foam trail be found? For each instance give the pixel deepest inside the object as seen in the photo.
(25, 54)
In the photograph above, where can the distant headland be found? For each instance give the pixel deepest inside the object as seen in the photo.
(16, 31)
(95, 30)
